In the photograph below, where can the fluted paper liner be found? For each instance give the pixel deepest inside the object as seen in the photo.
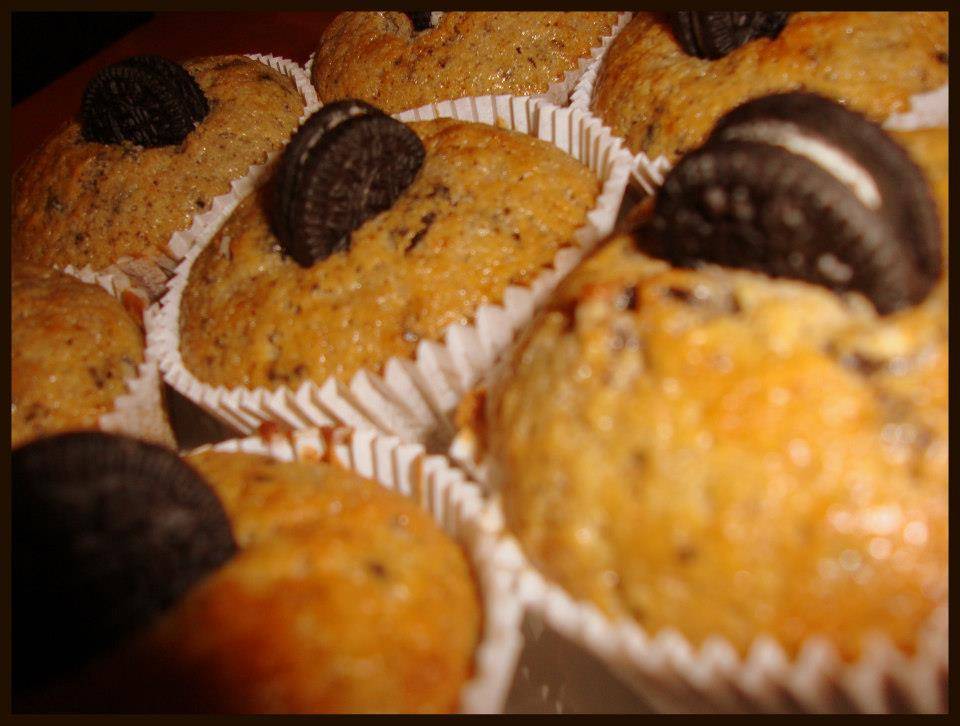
(411, 398)
(152, 274)
(139, 412)
(456, 506)
(558, 92)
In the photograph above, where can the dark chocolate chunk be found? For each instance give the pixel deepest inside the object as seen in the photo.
(146, 100)
(336, 173)
(108, 532)
(713, 34)
(420, 19)
(796, 186)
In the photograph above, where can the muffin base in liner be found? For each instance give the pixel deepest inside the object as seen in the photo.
(558, 92)
(140, 411)
(411, 398)
(455, 505)
(151, 274)
(671, 675)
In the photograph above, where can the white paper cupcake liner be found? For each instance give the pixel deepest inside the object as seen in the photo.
(140, 411)
(412, 398)
(456, 506)
(558, 92)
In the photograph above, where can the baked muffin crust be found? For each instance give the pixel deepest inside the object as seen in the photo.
(73, 350)
(379, 58)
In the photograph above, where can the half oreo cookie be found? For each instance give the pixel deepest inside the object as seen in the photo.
(146, 100)
(420, 19)
(797, 186)
(108, 532)
(346, 164)
(713, 34)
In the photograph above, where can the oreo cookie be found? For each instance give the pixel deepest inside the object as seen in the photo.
(347, 163)
(420, 19)
(108, 532)
(714, 34)
(146, 100)
(795, 185)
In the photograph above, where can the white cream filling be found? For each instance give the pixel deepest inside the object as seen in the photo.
(354, 110)
(829, 158)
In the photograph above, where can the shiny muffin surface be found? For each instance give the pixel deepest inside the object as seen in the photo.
(74, 348)
(380, 58)
(726, 454)
(78, 202)
(663, 101)
(489, 208)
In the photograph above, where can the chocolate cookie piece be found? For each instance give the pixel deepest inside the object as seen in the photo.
(713, 34)
(420, 19)
(290, 169)
(338, 171)
(795, 185)
(108, 531)
(146, 100)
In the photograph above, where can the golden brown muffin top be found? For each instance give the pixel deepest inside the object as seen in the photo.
(345, 598)
(73, 350)
(727, 454)
(663, 101)
(489, 208)
(78, 202)
(379, 58)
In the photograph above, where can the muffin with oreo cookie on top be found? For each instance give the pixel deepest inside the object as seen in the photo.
(372, 238)
(230, 583)
(668, 77)
(731, 421)
(155, 142)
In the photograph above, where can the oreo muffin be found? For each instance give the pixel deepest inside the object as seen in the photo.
(318, 275)
(343, 598)
(398, 61)
(732, 421)
(74, 351)
(154, 144)
(666, 80)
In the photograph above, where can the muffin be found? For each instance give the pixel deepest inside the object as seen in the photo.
(729, 454)
(80, 202)
(395, 64)
(489, 208)
(343, 597)
(664, 101)
(75, 350)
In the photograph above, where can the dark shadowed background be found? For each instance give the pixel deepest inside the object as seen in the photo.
(45, 45)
